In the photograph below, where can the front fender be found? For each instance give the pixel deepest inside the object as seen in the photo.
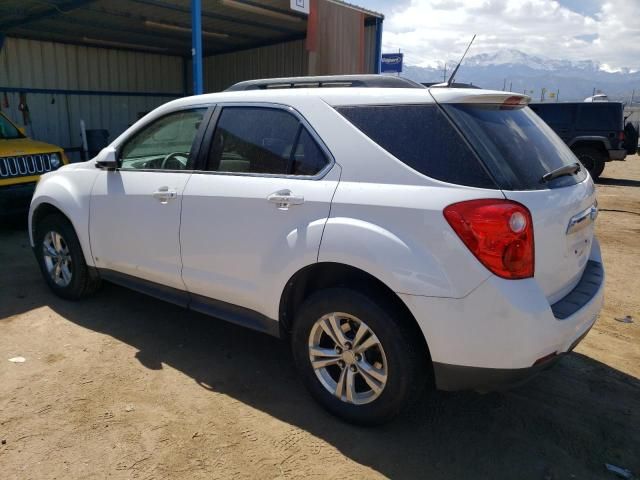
(68, 191)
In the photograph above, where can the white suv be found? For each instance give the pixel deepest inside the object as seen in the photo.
(398, 237)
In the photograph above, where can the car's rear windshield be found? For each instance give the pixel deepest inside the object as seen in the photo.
(516, 145)
(423, 138)
(7, 130)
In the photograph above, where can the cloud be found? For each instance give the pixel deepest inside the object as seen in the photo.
(432, 31)
(587, 37)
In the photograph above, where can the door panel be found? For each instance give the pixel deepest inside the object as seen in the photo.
(135, 223)
(240, 246)
(135, 210)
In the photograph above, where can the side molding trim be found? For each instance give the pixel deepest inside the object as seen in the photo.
(208, 306)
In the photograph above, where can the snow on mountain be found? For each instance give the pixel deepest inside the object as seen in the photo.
(511, 68)
(516, 57)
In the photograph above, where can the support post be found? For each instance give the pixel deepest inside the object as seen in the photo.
(185, 76)
(2, 38)
(378, 64)
(196, 46)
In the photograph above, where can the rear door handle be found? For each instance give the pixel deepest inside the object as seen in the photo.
(164, 194)
(284, 199)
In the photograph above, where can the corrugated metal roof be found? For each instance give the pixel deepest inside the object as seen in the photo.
(158, 26)
(356, 7)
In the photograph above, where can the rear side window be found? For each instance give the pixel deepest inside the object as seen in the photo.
(558, 114)
(599, 116)
(308, 158)
(263, 140)
(423, 138)
(515, 144)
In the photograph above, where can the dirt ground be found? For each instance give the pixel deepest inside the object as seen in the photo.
(125, 386)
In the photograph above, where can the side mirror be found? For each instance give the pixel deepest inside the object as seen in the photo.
(107, 159)
(23, 130)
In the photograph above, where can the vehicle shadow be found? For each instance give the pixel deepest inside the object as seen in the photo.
(566, 422)
(618, 182)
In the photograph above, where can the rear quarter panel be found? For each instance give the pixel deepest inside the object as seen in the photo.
(398, 234)
(386, 219)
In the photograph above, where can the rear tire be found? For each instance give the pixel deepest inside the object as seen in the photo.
(379, 381)
(592, 159)
(61, 259)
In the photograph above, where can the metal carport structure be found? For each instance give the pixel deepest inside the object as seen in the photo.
(108, 61)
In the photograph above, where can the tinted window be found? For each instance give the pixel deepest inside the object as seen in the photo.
(308, 159)
(164, 144)
(421, 137)
(516, 145)
(556, 114)
(263, 140)
(599, 116)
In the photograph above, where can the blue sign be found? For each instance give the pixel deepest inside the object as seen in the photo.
(392, 62)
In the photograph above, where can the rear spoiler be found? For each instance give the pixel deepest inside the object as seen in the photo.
(494, 97)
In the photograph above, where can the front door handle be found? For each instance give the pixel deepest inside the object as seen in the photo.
(284, 199)
(164, 194)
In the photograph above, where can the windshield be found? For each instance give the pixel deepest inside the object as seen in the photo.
(516, 145)
(7, 130)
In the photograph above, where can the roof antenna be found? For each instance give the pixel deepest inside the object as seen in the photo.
(455, 70)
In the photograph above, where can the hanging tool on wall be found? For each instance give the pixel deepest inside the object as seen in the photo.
(24, 108)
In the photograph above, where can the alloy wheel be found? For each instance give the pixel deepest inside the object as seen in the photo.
(57, 258)
(348, 358)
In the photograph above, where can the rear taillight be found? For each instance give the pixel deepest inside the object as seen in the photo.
(498, 232)
(621, 136)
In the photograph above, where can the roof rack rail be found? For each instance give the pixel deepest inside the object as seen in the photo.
(366, 81)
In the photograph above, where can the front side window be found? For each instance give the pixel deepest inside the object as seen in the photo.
(264, 141)
(164, 144)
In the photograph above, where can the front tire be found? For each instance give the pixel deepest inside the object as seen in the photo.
(357, 358)
(592, 159)
(61, 259)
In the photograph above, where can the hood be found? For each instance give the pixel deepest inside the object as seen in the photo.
(25, 146)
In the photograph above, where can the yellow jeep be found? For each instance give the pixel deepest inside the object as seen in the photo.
(22, 161)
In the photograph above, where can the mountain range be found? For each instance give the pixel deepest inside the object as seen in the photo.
(519, 72)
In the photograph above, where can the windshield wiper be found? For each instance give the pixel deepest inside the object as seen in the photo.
(560, 172)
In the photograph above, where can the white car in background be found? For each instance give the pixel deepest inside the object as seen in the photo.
(397, 237)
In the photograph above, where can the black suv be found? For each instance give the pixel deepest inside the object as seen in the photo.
(594, 131)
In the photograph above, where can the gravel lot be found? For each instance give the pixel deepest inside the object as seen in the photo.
(125, 386)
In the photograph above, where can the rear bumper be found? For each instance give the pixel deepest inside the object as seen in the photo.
(504, 331)
(617, 154)
(458, 377)
(15, 199)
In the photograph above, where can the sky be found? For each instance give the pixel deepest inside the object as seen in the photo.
(431, 31)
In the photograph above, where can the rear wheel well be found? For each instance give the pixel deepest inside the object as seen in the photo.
(324, 275)
(591, 144)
